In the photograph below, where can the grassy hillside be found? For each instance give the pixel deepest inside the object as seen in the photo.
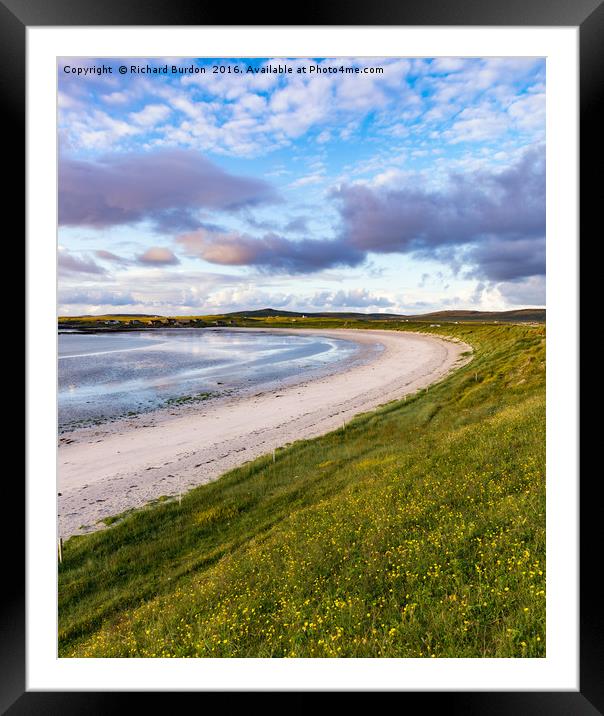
(416, 531)
(251, 318)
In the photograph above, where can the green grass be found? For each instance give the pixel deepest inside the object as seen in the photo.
(418, 530)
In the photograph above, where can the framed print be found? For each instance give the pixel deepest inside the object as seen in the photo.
(309, 260)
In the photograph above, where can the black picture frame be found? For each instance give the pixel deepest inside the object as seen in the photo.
(588, 15)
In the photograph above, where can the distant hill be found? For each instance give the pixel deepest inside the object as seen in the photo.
(268, 312)
(524, 314)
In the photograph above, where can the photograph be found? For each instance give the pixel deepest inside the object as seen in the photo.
(301, 357)
(302, 322)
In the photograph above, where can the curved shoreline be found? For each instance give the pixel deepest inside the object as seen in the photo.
(234, 381)
(105, 471)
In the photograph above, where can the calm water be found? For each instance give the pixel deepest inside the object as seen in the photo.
(104, 376)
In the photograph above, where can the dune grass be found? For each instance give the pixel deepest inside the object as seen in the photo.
(418, 530)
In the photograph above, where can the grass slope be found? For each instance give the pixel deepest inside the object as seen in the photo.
(416, 531)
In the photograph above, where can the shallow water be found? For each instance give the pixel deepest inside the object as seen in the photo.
(105, 376)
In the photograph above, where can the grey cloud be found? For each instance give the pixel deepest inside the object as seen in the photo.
(299, 224)
(109, 256)
(501, 260)
(492, 222)
(493, 212)
(70, 264)
(255, 223)
(166, 187)
(171, 220)
(270, 252)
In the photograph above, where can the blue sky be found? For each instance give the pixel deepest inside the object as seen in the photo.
(418, 188)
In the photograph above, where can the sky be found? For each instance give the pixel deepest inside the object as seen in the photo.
(406, 186)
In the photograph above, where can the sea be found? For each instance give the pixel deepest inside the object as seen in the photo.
(107, 376)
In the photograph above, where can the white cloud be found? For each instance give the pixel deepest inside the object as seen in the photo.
(150, 115)
(309, 179)
(528, 112)
(477, 124)
(353, 298)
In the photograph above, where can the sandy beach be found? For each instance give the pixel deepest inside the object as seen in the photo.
(105, 470)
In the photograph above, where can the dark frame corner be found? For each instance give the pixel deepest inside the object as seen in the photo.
(587, 15)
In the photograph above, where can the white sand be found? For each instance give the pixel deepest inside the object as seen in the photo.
(106, 470)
